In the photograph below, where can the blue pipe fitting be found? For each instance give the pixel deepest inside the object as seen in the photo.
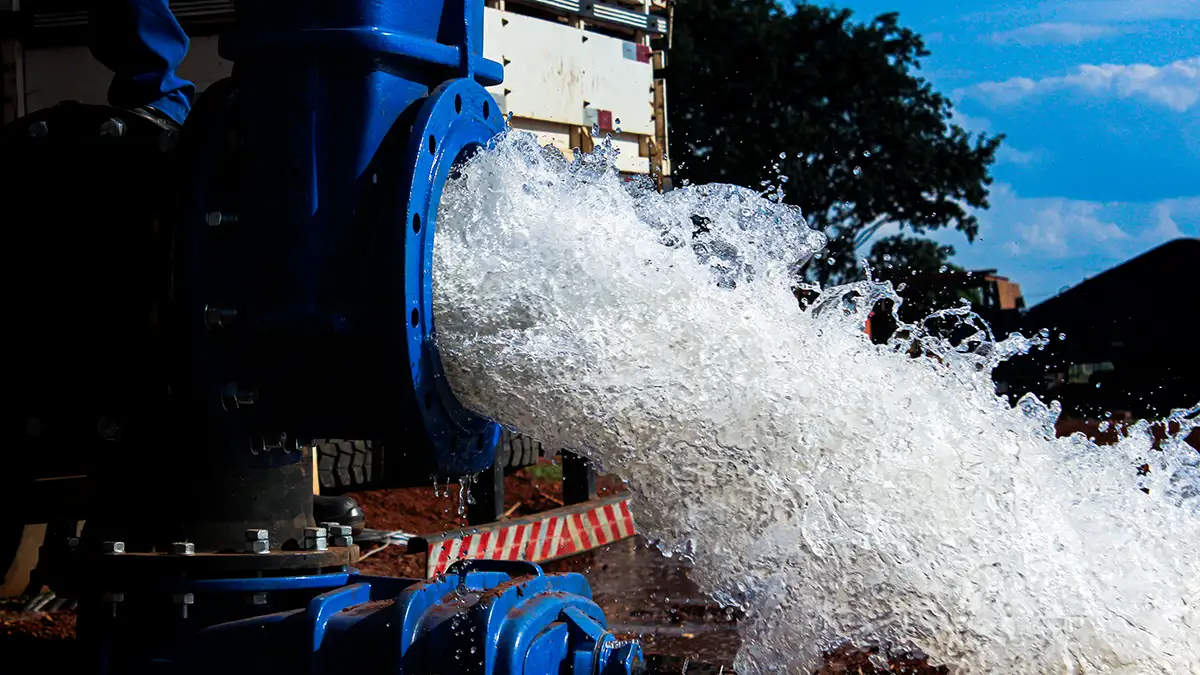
(486, 617)
(350, 117)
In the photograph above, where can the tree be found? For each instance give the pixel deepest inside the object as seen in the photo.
(867, 141)
(903, 260)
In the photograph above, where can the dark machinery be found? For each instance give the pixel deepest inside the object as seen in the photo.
(195, 306)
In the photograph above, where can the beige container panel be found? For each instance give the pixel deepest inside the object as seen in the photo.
(543, 66)
(623, 85)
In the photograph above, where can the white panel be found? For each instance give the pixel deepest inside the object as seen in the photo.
(71, 74)
(623, 85)
(542, 67)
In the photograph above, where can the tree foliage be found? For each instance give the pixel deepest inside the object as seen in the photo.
(903, 260)
(867, 140)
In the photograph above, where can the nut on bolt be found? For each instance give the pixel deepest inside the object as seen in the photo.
(183, 548)
(258, 541)
(315, 539)
(257, 599)
(112, 128)
(38, 129)
(339, 535)
(183, 600)
(112, 547)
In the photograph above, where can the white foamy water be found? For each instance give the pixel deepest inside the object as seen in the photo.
(837, 489)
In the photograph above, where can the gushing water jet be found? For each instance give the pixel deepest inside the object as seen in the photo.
(835, 489)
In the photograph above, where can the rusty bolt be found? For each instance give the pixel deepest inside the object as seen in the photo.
(183, 548)
(112, 547)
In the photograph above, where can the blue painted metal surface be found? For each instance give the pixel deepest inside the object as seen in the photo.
(324, 161)
(484, 617)
(350, 116)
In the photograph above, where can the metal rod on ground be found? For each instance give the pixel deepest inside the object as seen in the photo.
(579, 479)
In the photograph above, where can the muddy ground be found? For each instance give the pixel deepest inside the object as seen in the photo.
(641, 592)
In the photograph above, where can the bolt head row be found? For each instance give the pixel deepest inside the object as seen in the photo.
(337, 530)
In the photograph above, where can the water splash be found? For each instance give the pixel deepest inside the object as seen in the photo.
(837, 490)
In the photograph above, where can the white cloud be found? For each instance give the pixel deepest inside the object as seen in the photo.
(1007, 154)
(1047, 243)
(1056, 229)
(1175, 85)
(1167, 215)
(1056, 34)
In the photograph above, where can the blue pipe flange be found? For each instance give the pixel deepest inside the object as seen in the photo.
(457, 119)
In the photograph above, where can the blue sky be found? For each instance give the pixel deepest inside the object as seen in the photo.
(1100, 102)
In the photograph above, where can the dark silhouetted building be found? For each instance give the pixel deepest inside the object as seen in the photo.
(1130, 338)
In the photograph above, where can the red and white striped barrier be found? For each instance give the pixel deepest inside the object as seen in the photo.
(546, 536)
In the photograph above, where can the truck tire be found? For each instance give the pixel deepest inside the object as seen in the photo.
(343, 466)
(518, 451)
(346, 466)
